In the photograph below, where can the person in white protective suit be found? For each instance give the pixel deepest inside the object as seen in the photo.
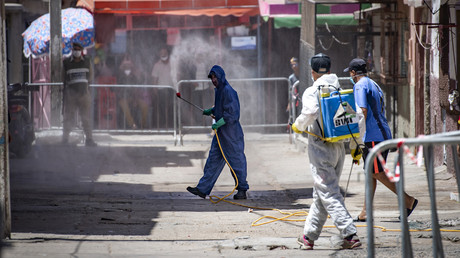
(326, 163)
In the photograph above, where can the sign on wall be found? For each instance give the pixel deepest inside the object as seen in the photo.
(243, 43)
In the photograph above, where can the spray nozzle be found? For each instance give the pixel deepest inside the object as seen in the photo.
(178, 95)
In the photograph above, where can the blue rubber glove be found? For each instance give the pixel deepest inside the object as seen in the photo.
(218, 124)
(207, 112)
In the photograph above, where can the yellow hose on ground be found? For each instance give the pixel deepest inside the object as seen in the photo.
(287, 214)
(219, 199)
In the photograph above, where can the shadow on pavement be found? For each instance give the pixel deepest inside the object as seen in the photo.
(59, 190)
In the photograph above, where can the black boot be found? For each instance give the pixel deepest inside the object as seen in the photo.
(90, 143)
(240, 195)
(195, 191)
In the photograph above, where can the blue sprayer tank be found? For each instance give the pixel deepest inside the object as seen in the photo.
(338, 115)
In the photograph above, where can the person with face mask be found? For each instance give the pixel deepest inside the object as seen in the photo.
(293, 83)
(293, 78)
(294, 62)
(226, 111)
(326, 162)
(369, 97)
(77, 73)
(131, 98)
(161, 75)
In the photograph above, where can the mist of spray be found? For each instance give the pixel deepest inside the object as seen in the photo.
(201, 54)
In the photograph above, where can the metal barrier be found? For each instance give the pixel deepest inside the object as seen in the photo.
(41, 94)
(253, 96)
(156, 101)
(450, 138)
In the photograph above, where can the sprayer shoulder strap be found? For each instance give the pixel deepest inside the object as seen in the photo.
(319, 124)
(338, 89)
(321, 111)
(317, 136)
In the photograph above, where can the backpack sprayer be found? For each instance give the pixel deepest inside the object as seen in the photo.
(338, 118)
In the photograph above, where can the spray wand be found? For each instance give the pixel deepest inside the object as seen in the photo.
(179, 96)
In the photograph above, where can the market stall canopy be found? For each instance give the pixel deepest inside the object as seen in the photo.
(278, 7)
(287, 14)
(179, 7)
(77, 26)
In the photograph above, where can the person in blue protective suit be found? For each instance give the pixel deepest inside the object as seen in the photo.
(326, 162)
(226, 111)
(369, 97)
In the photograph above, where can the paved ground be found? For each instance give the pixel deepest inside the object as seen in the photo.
(127, 198)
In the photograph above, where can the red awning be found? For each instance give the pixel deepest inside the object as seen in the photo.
(179, 7)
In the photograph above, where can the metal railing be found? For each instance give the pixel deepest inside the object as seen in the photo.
(156, 100)
(450, 138)
(39, 93)
(253, 97)
(262, 93)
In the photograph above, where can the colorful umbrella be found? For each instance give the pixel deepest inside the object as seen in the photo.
(77, 26)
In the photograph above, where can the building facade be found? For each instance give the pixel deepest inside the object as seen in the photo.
(411, 50)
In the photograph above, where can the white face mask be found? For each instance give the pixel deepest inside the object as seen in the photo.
(164, 58)
(127, 72)
(76, 53)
